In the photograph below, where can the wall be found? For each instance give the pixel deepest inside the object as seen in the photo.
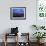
(24, 25)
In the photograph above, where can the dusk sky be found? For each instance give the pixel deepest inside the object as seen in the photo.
(18, 10)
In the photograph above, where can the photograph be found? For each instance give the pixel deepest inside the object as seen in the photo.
(17, 13)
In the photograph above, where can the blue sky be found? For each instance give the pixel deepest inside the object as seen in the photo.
(18, 10)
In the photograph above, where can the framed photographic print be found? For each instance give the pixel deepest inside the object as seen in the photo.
(17, 13)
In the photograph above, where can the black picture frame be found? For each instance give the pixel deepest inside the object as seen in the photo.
(18, 13)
